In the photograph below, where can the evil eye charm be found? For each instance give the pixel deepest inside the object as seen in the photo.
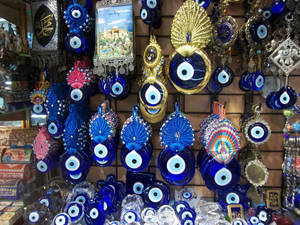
(55, 129)
(62, 219)
(150, 12)
(188, 74)
(153, 95)
(257, 132)
(93, 214)
(156, 194)
(253, 220)
(177, 168)
(180, 205)
(136, 161)
(203, 3)
(258, 31)
(76, 211)
(223, 75)
(239, 222)
(74, 163)
(278, 7)
(258, 81)
(103, 153)
(34, 217)
(78, 94)
(119, 87)
(187, 213)
(137, 182)
(287, 97)
(38, 108)
(129, 217)
(81, 198)
(264, 214)
(75, 178)
(77, 43)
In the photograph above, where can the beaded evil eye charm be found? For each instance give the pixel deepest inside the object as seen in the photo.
(188, 68)
(177, 162)
(38, 99)
(136, 151)
(225, 32)
(223, 75)
(137, 182)
(258, 31)
(150, 12)
(156, 194)
(76, 212)
(264, 214)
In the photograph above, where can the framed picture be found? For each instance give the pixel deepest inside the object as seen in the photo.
(273, 199)
(235, 211)
(114, 36)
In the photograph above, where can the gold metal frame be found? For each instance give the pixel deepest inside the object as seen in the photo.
(269, 200)
(231, 214)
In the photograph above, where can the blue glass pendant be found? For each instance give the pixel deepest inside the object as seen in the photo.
(76, 211)
(103, 153)
(150, 12)
(258, 31)
(287, 97)
(213, 87)
(74, 163)
(187, 216)
(253, 220)
(93, 214)
(156, 194)
(79, 95)
(258, 80)
(61, 219)
(180, 205)
(264, 214)
(77, 43)
(137, 182)
(223, 75)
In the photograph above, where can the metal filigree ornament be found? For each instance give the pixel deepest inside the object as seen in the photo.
(225, 32)
(256, 173)
(189, 67)
(153, 93)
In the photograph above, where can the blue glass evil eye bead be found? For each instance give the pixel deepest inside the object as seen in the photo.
(129, 217)
(253, 220)
(77, 43)
(136, 160)
(79, 95)
(258, 132)
(93, 214)
(287, 97)
(258, 81)
(244, 83)
(152, 94)
(137, 182)
(203, 3)
(177, 168)
(264, 214)
(74, 163)
(150, 12)
(61, 219)
(156, 194)
(119, 86)
(259, 31)
(103, 153)
(55, 128)
(271, 101)
(278, 7)
(38, 109)
(213, 87)
(180, 205)
(76, 211)
(223, 75)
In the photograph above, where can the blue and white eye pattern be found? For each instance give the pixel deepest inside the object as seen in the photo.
(187, 195)
(185, 71)
(52, 128)
(262, 31)
(138, 188)
(145, 14)
(232, 198)
(72, 164)
(129, 217)
(176, 165)
(253, 220)
(76, 95)
(259, 31)
(42, 166)
(263, 216)
(75, 42)
(239, 222)
(75, 176)
(34, 217)
(187, 213)
(267, 14)
(259, 82)
(223, 177)
(180, 207)
(223, 75)
(152, 94)
(188, 222)
(117, 88)
(133, 160)
(100, 151)
(46, 202)
(258, 132)
(76, 12)
(81, 198)
(37, 108)
(155, 194)
(94, 213)
(75, 210)
(284, 98)
(61, 219)
(151, 3)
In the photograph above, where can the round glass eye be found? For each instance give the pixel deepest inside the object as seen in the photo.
(284, 98)
(155, 195)
(232, 198)
(267, 14)
(75, 42)
(144, 14)
(61, 220)
(117, 88)
(258, 132)
(138, 188)
(237, 223)
(34, 217)
(254, 220)
(73, 211)
(223, 177)
(185, 71)
(52, 128)
(100, 151)
(72, 163)
(37, 109)
(133, 160)
(81, 199)
(223, 77)
(129, 217)
(76, 13)
(151, 4)
(42, 166)
(186, 214)
(188, 222)
(176, 165)
(263, 216)
(76, 94)
(187, 195)
(153, 95)
(262, 31)
(94, 213)
(45, 202)
(180, 207)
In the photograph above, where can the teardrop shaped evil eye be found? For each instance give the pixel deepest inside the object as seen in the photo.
(284, 98)
(94, 213)
(262, 31)
(117, 88)
(185, 71)
(188, 222)
(76, 13)
(263, 216)
(259, 82)
(151, 94)
(144, 14)
(187, 195)
(130, 217)
(223, 177)
(155, 195)
(254, 220)
(75, 42)
(100, 151)
(76, 95)
(74, 211)
(61, 219)
(34, 217)
(133, 160)
(186, 214)
(223, 77)
(72, 163)
(138, 188)
(258, 132)
(176, 165)
(37, 108)
(232, 198)
(52, 128)
(45, 202)
(151, 4)
(42, 166)
(81, 199)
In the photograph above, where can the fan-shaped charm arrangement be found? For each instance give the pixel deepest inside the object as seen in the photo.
(189, 68)
(177, 162)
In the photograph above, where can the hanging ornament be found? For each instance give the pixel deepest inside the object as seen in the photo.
(156, 194)
(189, 68)
(114, 40)
(151, 12)
(153, 93)
(256, 173)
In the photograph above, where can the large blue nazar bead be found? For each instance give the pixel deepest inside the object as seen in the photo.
(103, 153)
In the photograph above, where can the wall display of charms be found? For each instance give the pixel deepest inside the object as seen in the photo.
(202, 71)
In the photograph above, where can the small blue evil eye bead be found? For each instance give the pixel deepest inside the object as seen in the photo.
(93, 215)
(55, 129)
(150, 12)
(239, 222)
(78, 94)
(264, 214)
(77, 43)
(253, 220)
(129, 217)
(152, 94)
(258, 132)
(76, 211)
(156, 195)
(287, 97)
(180, 205)
(188, 221)
(137, 182)
(75, 178)
(38, 109)
(270, 100)
(81, 198)
(223, 75)
(259, 31)
(258, 81)
(104, 85)
(103, 153)
(203, 3)
(244, 83)
(62, 219)
(46, 201)
(187, 213)
(119, 86)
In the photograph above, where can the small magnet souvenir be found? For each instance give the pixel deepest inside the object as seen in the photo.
(189, 67)
(150, 12)
(114, 37)
(136, 151)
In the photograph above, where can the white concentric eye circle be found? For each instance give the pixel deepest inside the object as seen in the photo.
(133, 160)
(151, 4)
(72, 163)
(138, 188)
(34, 217)
(42, 166)
(76, 94)
(75, 42)
(262, 31)
(76, 176)
(94, 213)
(45, 202)
(60, 220)
(155, 195)
(76, 13)
(37, 108)
(223, 177)
(185, 71)
(176, 165)
(144, 14)
(100, 151)
(153, 95)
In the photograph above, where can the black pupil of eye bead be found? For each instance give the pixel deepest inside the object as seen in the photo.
(101, 152)
(284, 98)
(184, 72)
(177, 165)
(134, 161)
(73, 211)
(232, 198)
(138, 188)
(155, 194)
(42, 166)
(151, 2)
(71, 164)
(224, 76)
(60, 220)
(152, 97)
(223, 177)
(129, 217)
(75, 44)
(257, 132)
(117, 89)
